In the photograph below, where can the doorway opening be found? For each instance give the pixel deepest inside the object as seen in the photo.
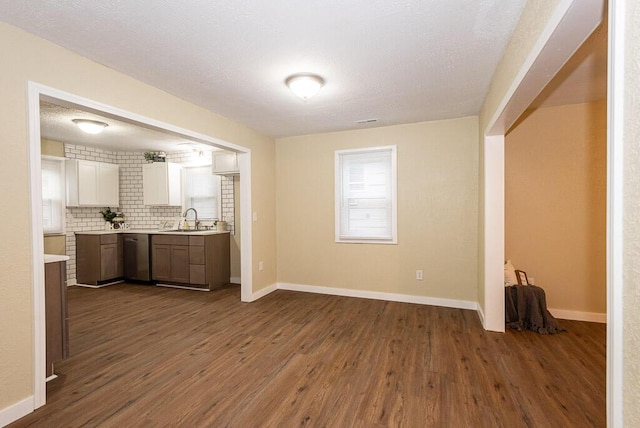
(38, 93)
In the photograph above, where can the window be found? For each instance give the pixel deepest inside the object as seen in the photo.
(53, 195)
(202, 191)
(366, 195)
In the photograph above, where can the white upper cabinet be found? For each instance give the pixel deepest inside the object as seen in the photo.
(92, 184)
(161, 183)
(225, 163)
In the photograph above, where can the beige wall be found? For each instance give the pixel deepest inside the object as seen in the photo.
(437, 215)
(53, 244)
(31, 58)
(555, 203)
(631, 292)
(51, 148)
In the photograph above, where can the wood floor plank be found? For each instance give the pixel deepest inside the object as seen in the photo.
(146, 356)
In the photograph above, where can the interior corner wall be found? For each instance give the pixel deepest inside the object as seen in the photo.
(556, 201)
(437, 212)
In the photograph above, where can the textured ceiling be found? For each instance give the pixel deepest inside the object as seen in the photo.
(396, 61)
(56, 124)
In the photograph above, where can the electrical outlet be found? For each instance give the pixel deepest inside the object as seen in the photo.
(419, 274)
(261, 265)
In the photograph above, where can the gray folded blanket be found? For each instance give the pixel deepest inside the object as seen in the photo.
(526, 308)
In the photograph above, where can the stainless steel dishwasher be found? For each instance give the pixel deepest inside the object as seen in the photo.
(137, 266)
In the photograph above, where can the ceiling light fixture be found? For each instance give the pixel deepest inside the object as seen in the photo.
(305, 85)
(90, 126)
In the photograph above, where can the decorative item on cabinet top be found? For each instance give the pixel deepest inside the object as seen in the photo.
(114, 219)
(155, 156)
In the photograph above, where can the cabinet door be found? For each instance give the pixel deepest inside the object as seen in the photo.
(55, 315)
(180, 263)
(161, 262)
(109, 184)
(225, 163)
(87, 183)
(92, 183)
(109, 264)
(161, 184)
(174, 183)
(154, 184)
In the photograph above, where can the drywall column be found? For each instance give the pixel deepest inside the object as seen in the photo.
(493, 315)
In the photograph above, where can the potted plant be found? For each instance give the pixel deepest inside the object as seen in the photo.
(155, 156)
(108, 215)
(150, 156)
(114, 218)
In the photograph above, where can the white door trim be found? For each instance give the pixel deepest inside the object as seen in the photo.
(494, 232)
(37, 250)
(35, 92)
(615, 214)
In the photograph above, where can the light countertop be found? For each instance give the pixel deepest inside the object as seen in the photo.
(153, 232)
(53, 258)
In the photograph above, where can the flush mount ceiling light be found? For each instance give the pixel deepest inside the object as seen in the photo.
(90, 126)
(305, 85)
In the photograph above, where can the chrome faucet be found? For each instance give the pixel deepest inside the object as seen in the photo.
(197, 222)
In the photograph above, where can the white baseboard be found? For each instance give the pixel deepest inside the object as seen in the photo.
(235, 280)
(564, 314)
(263, 292)
(72, 282)
(481, 316)
(376, 295)
(181, 287)
(16, 411)
(99, 286)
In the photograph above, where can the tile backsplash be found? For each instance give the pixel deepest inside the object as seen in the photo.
(136, 214)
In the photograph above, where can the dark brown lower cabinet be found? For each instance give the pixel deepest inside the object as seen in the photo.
(57, 319)
(170, 258)
(200, 261)
(99, 258)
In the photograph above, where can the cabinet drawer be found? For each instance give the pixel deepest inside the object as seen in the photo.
(196, 255)
(196, 240)
(170, 240)
(111, 238)
(197, 274)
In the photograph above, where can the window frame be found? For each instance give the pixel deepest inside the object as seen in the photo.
(338, 191)
(185, 168)
(62, 211)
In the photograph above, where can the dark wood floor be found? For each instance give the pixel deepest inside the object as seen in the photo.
(145, 356)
